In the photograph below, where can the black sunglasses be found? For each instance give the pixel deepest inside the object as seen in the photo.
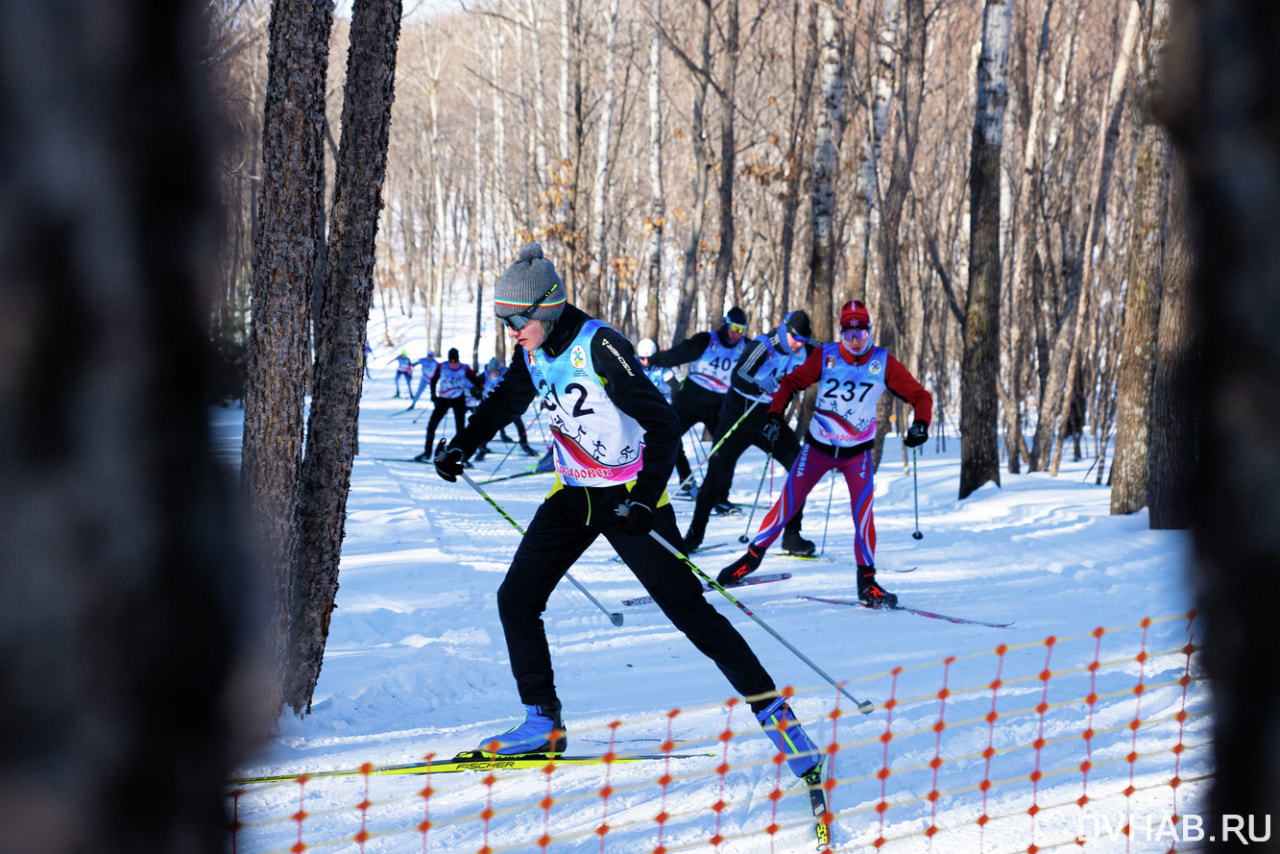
(520, 319)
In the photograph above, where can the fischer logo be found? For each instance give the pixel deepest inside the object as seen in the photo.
(1162, 828)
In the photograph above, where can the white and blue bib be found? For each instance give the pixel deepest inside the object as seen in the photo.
(844, 414)
(595, 443)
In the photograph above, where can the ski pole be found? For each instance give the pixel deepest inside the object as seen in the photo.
(717, 445)
(614, 616)
(915, 478)
(503, 460)
(864, 706)
(827, 524)
(744, 538)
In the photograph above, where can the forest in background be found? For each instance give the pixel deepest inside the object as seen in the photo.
(676, 157)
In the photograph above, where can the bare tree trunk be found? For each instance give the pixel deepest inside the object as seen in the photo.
(657, 221)
(799, 136)
(1024, 251)
(335, 406)
(1130, 467)
(980, 369)
(728, 163)
(702, 177)
(284, 261)
(593, 300)
(822, 255)
(866, 193)
(440, 253)
(126, 583)
(1102, 183)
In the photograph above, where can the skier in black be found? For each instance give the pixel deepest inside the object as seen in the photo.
(449, 387)
(587, 376)
(710, 356)
(764, 362)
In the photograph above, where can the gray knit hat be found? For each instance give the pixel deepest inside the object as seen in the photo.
(532, 279)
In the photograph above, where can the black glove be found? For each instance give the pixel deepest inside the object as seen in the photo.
(448, 461)
(772, 429)
(917, 435)
(637, 518)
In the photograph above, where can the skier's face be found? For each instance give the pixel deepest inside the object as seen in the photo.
(530, 337)
(794, 342)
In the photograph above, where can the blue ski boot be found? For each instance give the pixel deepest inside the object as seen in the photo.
(785, 732)
(541, 732)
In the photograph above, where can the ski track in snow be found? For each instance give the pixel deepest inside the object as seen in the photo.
(416, 662)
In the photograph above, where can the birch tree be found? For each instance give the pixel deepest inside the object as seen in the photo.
(599, 187)
(980, 369)
(656, 222)
(822, 254)
(1130, 467)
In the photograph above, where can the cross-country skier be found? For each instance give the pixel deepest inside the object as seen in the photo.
(660, 377)
(449, 391)
(765, 360)
(586, 373)
(494, 371)
(428, 364)
(404, 370)
(852, 373)
(710, 356)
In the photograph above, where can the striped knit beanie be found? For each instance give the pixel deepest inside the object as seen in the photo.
(531, 279)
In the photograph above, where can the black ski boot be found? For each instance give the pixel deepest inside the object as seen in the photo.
(794, 544)
(871, 593)
(528, 449)
(424, 457)
(480, 454)
(693, 539)
(742, 567)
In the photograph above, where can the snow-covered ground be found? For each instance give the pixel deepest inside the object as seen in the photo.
(1015, 724)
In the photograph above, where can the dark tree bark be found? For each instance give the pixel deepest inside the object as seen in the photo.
(285, 256)
(1172, 417)
(1226, 120)
(335, 404)
(980, 368)
(124, 588)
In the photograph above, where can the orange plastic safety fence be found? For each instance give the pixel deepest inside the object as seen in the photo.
(993, 751)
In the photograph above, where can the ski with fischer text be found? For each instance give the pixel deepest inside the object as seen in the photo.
(471, 760)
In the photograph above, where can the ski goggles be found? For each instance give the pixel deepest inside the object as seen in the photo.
(857, 333)
(740, 328)
(521, 318)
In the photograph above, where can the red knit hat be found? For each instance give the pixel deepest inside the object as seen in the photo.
(854, 315)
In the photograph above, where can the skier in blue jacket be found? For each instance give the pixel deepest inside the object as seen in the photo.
(615, 441)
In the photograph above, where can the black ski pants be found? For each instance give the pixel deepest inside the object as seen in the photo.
(443, 405)
(721, 465)
(566, 524)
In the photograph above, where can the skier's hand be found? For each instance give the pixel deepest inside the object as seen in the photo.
(917, 435)
(448, 461)
(772, 429)
(637, 518)
(768, 383)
